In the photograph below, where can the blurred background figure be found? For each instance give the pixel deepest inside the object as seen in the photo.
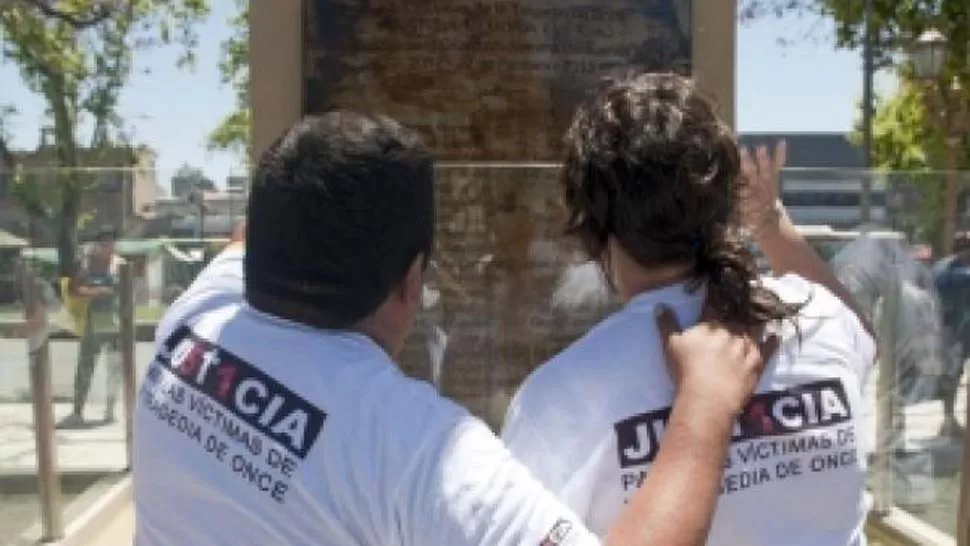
(951, 276)
(875, 269)
(93, 292)
(40, 302)
(871, 268)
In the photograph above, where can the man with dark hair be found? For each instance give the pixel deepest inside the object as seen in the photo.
(282, 419)
(95, 283)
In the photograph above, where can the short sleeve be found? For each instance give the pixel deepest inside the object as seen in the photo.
(469, 490)
(220, 283)
(529, 446)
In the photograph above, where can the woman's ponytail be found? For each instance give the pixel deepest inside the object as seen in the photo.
(734, 291)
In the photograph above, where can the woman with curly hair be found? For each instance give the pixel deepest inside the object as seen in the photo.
(654, 184)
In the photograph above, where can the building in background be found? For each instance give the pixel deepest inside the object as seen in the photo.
(823, 181)
(237, 184)
(212, 214)
(188, 179)
(119, 182)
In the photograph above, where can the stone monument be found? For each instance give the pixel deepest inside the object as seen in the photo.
(484, 79)
(492, 86)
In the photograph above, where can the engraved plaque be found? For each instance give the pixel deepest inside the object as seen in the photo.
(483, 80)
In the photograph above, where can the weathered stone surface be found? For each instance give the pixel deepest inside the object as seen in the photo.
(484, 80)
(490, 81)
(499, 255)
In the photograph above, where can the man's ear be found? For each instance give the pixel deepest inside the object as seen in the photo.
(409, 290)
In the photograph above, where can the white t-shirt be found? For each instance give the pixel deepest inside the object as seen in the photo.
(589, 422)
(220, 283)
(253, 430)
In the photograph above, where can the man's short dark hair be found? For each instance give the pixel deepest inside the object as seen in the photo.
(340, 207)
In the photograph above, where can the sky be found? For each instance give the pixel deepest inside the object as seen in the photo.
(804, 87)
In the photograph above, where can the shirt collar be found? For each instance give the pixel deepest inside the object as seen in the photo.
(675, 294)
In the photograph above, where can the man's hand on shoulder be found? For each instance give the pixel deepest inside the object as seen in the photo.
(716, 366)
(715, 361)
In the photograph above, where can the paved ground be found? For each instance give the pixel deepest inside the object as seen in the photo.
(95, 448)
(14, 379)
(120, 532)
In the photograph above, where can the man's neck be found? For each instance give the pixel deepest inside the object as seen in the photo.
(379, 332)
(638, 280)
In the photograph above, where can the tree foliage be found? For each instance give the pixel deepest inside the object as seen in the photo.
(910, 146)
(907, 136)
(232, 134)
(79, 19)
(895, 24)
(7, 111)
(903, 139)
(78, 55)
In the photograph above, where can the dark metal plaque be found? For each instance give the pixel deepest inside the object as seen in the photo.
(483, 80)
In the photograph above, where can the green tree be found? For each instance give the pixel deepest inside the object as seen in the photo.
(906, 136)
(70, 14)
(233, 133)
(907, 143)
(895, 24)
(904, 144)
(6, 156)
(78, 55)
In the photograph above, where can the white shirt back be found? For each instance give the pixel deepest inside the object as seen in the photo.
(253, 430)
(588, 423)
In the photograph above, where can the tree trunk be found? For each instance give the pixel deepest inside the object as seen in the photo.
(69, 181)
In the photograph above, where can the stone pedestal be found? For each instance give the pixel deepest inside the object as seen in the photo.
(492, 86)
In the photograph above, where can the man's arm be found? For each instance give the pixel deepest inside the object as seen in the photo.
(676, 503)
(219, 283)
(78, 287)
(469, 489)
(785, 249)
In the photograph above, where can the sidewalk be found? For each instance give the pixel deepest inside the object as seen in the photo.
(120, 532)
(98, 448)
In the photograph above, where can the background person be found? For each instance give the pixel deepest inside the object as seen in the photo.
(40, 304)
(952, 280)
(282, 419)
(652, 184)
(96, 284)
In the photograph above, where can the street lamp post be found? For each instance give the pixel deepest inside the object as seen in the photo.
(947, 106)
(868, 73)
(948, 110)
(196, 198)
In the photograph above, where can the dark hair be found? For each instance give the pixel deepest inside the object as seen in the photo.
(106, 233)
(649, 163)
(340, 207)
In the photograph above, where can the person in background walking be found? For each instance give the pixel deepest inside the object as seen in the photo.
(96, 281)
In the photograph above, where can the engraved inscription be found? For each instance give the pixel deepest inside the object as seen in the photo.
(484, 80)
